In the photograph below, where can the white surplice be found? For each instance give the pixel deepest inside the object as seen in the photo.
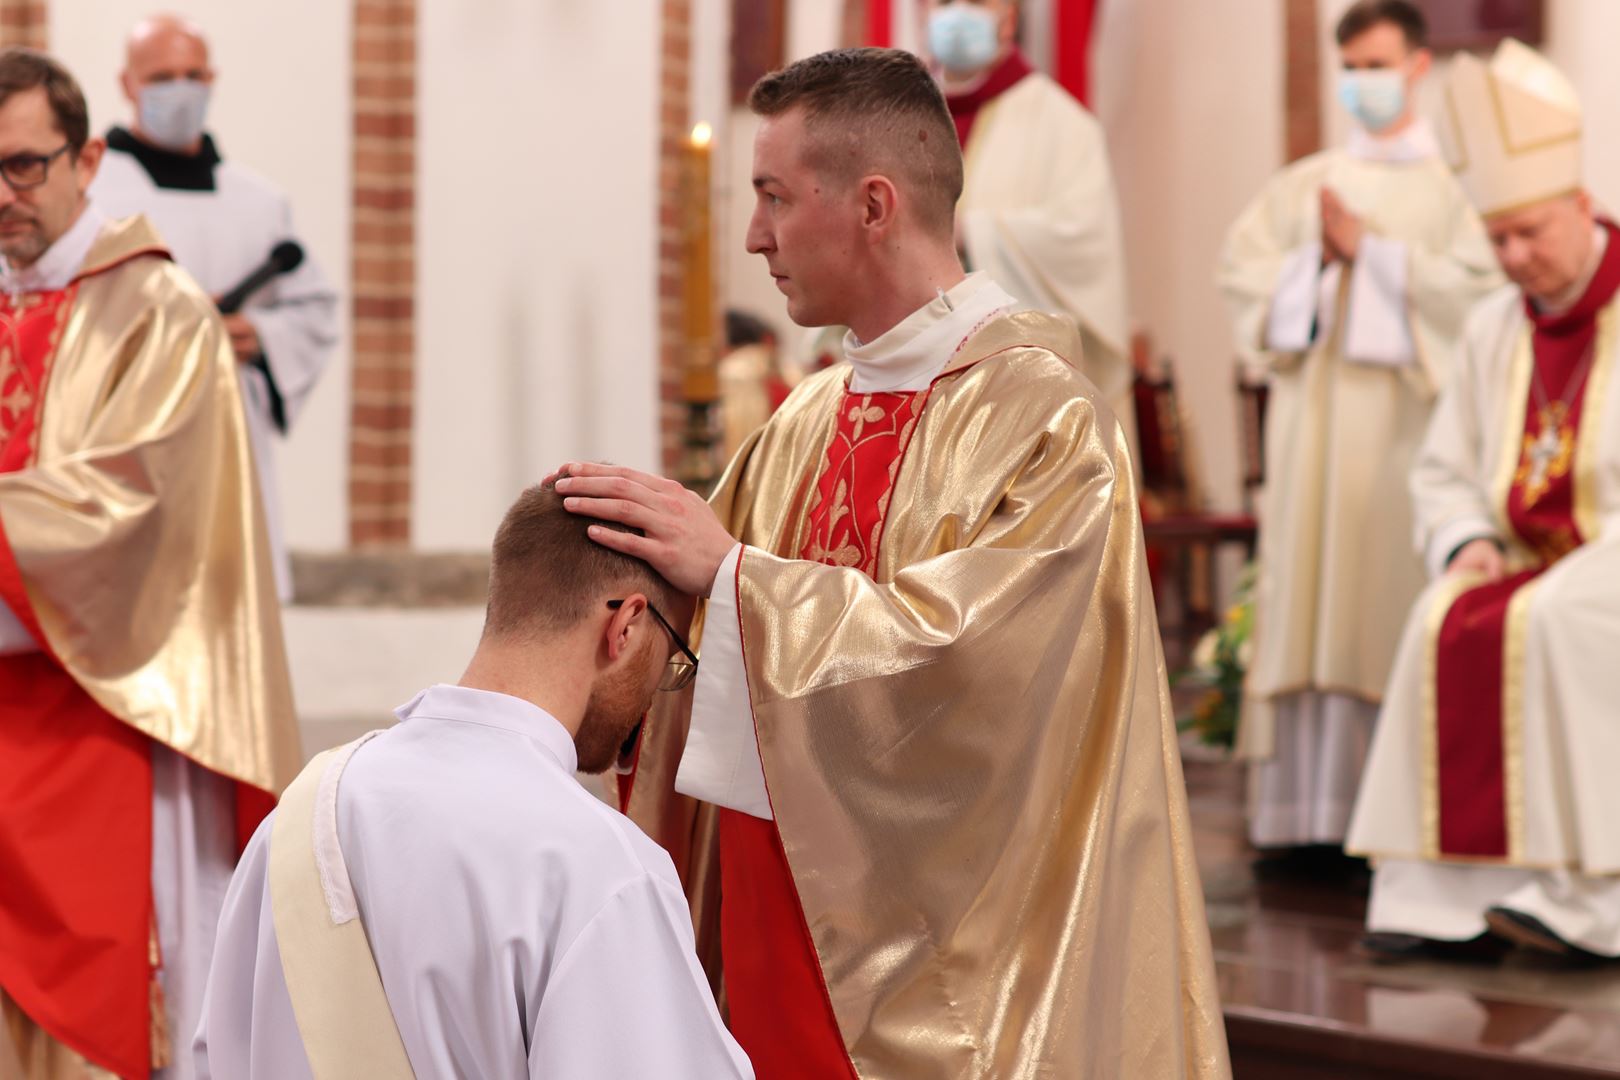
(193, 809)
(1356, 355)
(521, 927)
(721, 763)
(1567, 873)
(219, 237)
(1040, 215)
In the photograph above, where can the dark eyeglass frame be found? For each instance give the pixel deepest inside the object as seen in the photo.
(39, 161)
(684, 679)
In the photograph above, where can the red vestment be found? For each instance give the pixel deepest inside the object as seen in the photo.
(77, 939)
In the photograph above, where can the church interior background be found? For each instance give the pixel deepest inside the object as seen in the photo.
(510, 197)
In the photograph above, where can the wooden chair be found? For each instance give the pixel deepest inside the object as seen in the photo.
(1177, 529)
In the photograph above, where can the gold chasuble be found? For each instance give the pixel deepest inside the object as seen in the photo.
(966, 734)
(132, 546)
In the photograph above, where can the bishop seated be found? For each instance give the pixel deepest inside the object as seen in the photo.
(1489, 799)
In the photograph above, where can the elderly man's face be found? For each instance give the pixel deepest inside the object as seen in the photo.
(1543, 248)
(35, 216)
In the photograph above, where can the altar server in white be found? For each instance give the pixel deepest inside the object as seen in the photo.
(221, 222)
(1348, 278)
(460, 905)
(1490, 801)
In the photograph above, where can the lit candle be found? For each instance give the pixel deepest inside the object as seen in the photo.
(701, 381)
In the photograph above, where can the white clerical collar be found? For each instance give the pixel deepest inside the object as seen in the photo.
(916, 349)
(465, 705)
(61, 262)
(1415, 142)
(1571, 296)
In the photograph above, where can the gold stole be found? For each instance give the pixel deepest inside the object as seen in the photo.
(331, 975)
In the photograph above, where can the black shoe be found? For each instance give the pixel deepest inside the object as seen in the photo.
(1386, 947)
(1529, 932)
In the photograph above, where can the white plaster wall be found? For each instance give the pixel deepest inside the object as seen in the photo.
(1191, 99)
(280, 107)
(537, 333)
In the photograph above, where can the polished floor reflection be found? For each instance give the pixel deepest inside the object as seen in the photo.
(1303, 1002)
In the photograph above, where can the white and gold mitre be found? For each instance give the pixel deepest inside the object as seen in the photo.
(1511, 129)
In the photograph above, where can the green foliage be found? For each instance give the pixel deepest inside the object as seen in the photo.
(1219, 664)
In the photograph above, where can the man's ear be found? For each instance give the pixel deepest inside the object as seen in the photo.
(620, 627)
(880, 203)
(89, 162)
(1422, 63)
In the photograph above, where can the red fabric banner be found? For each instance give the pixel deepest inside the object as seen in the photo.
(880, 23)
(1073, 21)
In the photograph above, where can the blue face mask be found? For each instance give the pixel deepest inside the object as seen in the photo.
(1376, 98)
(173, 113)
(964, 37)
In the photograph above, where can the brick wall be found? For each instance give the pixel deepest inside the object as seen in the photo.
(1302, 87)
(383, 272)
(674, 127)
(22, 22)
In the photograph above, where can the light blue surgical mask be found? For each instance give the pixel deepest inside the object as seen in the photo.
(1375, 97)
(964, 37)
(173, 113)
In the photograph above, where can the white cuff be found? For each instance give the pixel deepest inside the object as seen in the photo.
(721, 764)
(14, 636)
(1452, 535)
(1377, 330)
(1292, 318)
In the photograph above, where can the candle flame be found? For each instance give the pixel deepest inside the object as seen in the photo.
(702, 134)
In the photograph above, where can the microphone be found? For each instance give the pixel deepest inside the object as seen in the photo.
(284, 258)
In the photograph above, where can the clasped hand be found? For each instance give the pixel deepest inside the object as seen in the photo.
(682, 537)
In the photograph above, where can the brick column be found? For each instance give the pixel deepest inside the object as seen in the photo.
(674, 127)
(22, 22)
(383, 285)
(1302, 80)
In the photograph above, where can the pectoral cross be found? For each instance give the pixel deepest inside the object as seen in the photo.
(1543, 452)
(1547, 456)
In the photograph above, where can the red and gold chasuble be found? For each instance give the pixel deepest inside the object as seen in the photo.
(1477, 652)
(78, 949)
(780, 1012)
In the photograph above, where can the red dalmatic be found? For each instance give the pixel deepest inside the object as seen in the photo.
(780, 1012)
(1469, 669)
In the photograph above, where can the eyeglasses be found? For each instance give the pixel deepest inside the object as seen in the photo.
(681, 670)
(24, 171)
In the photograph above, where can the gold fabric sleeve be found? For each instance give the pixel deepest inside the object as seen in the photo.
(138, 528)
(972, 756)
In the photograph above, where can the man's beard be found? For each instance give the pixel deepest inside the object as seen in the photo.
(612, 713)
(25, 247)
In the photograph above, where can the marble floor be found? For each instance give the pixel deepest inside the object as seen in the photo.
(1302, 1001)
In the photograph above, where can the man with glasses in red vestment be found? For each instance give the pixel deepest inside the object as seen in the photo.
(146, 720)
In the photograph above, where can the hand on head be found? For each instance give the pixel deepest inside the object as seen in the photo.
(682, 538)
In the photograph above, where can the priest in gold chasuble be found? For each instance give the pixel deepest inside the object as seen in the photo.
(1489, 799)
(926, 792)
(145, 717)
